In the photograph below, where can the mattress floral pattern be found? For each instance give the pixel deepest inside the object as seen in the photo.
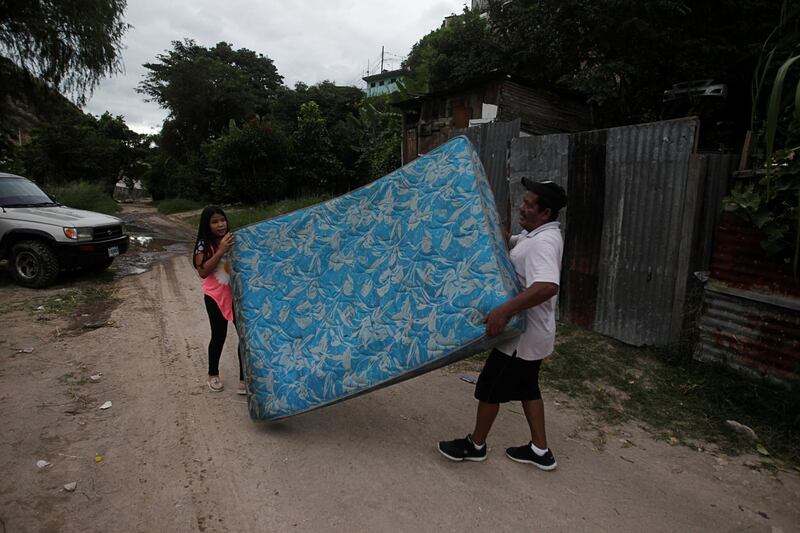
(379, 285)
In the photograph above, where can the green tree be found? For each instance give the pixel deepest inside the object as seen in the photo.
(83, 148)
(26, 102)
(315, 166)
(205, 88)
(452, 54)
(622, 54)
(337, 104)
(619, 54)
(250, 163)
(379, 140)
(69, 44)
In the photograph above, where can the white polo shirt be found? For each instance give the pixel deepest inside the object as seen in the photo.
(536, 256)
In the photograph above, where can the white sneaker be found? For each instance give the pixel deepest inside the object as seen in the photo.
(215, 384)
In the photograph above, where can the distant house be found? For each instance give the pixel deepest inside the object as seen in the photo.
(480, 5)
(428, 120)
(124, 193)
(385, 82)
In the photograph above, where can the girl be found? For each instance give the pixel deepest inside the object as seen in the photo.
(209, 258)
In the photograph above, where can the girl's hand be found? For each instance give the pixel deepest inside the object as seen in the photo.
(226, 243)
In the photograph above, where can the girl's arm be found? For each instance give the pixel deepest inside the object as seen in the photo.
(204, 269)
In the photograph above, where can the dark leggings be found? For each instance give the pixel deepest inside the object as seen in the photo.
(219, 330)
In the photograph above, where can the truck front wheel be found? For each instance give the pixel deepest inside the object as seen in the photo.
(33, 264)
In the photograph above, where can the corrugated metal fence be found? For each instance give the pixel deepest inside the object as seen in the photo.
(492, 141)
(715, 172)
(642, 213)
(631, 207)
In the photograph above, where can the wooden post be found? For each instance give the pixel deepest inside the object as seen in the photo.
(691, 208)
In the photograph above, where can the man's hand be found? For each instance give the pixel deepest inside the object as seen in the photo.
(495, 322)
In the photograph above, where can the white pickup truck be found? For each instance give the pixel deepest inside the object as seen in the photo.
(39, 237)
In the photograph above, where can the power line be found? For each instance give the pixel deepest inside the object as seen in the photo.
(392, 63)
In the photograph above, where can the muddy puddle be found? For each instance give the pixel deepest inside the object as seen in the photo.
(144, 251)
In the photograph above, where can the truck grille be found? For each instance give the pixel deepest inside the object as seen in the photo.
(107, 232)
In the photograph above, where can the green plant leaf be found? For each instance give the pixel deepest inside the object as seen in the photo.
(773, 110)
(797, 103)
(761, 219)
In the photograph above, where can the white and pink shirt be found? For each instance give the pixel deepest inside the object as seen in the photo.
(217, 285)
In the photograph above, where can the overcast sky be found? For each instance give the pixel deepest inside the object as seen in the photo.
(309, 41)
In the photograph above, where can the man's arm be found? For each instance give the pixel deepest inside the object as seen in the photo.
(534, 295)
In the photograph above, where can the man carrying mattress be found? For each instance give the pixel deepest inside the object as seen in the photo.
(511, 372)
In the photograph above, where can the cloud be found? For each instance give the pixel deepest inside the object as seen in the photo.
(310, 41)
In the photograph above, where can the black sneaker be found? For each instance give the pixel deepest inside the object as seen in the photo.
(525, 454)
(462, 450)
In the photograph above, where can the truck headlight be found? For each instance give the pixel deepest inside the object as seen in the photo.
(78, 234)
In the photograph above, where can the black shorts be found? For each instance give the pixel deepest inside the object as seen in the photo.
(507, 378)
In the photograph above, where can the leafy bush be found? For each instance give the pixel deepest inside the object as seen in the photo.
(773, 203)
(178, 205)
(84, 195)
(249, 163)
(379, 145)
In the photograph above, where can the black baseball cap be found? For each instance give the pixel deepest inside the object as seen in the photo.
(551, 193)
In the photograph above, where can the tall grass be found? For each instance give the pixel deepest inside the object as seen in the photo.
(251, 215)
(84, 195)
(239, 217)
(178, 205)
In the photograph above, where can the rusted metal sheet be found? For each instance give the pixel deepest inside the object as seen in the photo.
(752, 332)
(647, 168)
(586, 194)
(751, 306)
(739, 261)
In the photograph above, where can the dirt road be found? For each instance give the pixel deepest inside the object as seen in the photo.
(171, 456)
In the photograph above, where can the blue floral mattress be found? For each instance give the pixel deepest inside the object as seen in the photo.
(371, 288)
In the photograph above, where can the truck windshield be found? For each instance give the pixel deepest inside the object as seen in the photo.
(20, 192)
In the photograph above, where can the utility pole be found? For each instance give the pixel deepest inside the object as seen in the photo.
(382, 58)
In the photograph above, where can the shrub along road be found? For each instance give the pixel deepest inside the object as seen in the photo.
(169, 455)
